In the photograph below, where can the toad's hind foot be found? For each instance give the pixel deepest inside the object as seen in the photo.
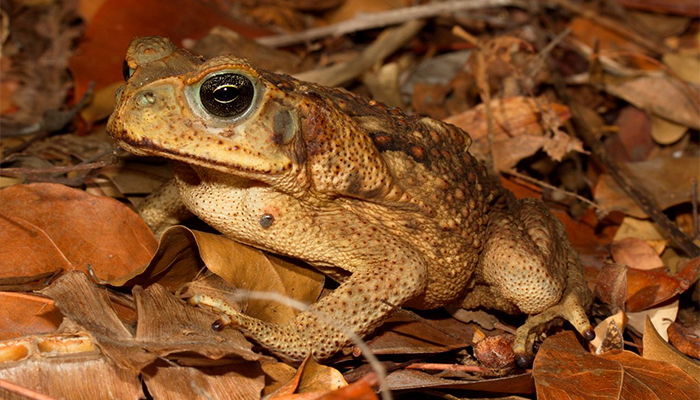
(569, 309)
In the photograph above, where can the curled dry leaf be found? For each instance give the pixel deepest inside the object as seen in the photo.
(611, 285)
(685, 339)
(648, 288)
(251, 269)
(84, 229)
(521, 127)
(311, 377)
(635, 253)
(608, 334)
(656, 348)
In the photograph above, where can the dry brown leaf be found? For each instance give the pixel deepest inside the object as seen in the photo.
(635, 253)
(593, 35)
(690, 8)
(656, 348)
(174, 264)
(231, 381)
(88, 376)
(646, 378)
(88, 230)
(563, 370)
(521, 127)
(169, 328)
(311, 377)
(316, 377)
(648, 288)
(90, 310)
(403, 335)
(666, 132)
(27, 250)
(166, 326)
(24, 314)
(676, 104)
(685, 339)
(251, 269)
(611, 285)
(633, 141)
(667, 180)
(642, 229)
(223, 41)
(661, 316)
(277, 374)
(183, 252)
(686, 66)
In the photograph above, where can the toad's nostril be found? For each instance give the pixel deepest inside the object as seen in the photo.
(147, 99)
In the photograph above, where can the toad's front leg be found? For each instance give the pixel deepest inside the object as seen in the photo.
(360, 304)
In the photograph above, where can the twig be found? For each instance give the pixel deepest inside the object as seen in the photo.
(386, 18)
(551, 187)
(449, 367)
(22, 391)
(694, 198)
(387, 43)
(20, 172)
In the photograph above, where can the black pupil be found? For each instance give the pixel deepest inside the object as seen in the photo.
(227, 95)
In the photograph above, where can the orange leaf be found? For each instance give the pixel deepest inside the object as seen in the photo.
(86, 229)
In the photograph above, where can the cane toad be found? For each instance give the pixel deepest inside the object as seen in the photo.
(393, 206)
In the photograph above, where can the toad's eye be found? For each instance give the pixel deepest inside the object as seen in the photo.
(227, 95)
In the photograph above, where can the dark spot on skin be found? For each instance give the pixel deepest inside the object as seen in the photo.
(387, 142)
(354, 182)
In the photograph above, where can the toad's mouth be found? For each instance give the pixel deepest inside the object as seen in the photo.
(144, 146)
(194, 175)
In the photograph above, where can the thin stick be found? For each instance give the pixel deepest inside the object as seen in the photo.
(386, 18)
(551, 187)
(19, 172)
(22, 391)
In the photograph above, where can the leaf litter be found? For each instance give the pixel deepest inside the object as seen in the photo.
(493, 71)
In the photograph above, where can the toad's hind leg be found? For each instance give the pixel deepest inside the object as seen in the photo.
(528, 261)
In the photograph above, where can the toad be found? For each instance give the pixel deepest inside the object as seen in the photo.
(390, 205)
